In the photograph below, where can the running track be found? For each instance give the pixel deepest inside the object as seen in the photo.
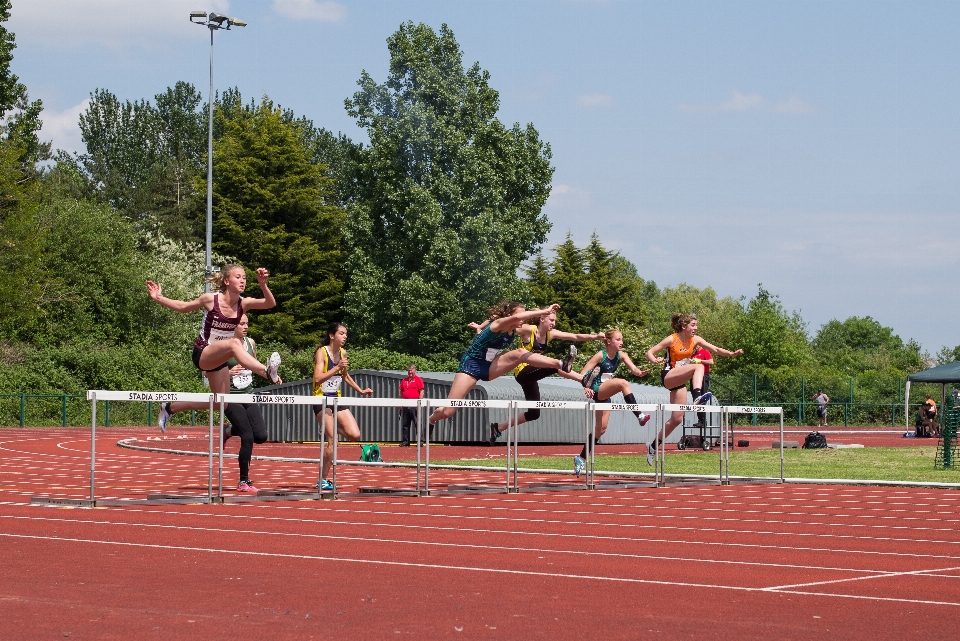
(705, 562)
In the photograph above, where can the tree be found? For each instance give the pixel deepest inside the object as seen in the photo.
(770, 337)
(21, 237)
(445, 201)
(595, 287)
(142, 158)
(717, 317)
(272, 208)
(862, 344)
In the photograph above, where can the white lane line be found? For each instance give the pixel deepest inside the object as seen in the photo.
(882, 575)
(498, 548)
(554, 535)
(438, 566)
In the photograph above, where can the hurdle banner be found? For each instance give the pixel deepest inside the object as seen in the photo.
(727, 433)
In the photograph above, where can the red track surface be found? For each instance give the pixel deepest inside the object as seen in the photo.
(737, 562)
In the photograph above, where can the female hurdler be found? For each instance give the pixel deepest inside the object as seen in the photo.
(483, 360)
(601, 384)
(534, 338)
(330, 368)
(679, 367)
(217, 344)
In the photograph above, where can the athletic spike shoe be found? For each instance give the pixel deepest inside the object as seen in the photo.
(272, 366)
(643, 418)
(578, 464)
(164, 416)
(567, 363)
(494, 433)
(651, 452)
(246, 486)
(587, 381)
(325, 486)
(703, 399)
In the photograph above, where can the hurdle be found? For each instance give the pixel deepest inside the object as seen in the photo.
(668, 408)
(727, 434)
(590, 482)
(142, 397)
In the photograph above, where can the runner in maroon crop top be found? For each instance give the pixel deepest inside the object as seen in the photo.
(223, 307)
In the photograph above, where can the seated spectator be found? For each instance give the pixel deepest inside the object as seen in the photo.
(928, 413)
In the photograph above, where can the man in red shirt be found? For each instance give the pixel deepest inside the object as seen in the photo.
(410, 387)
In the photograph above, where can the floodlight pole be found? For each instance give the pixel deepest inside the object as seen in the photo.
(212, 21)
(208, 270)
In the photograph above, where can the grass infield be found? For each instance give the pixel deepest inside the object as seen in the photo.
(872, 463)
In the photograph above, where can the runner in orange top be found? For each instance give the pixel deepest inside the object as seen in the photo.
(679, 367)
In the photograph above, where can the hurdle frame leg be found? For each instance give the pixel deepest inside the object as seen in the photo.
(336, 439)
(93, 448)
(220, 457)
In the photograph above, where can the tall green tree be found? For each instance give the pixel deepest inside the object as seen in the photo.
(862, 344)
(142, 158)
(595, 287)
(446, 201)
(21, 236)
(771, 338)
(274, 208)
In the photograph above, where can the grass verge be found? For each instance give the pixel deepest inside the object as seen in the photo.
(871, 463)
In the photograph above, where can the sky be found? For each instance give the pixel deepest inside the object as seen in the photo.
(810, 146)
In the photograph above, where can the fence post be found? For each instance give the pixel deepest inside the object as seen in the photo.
(803, 396)
(846, 414)
(23, 403)
(106, 414)
(753, 418)
(149, 413)
(193, 417)
(64, 412)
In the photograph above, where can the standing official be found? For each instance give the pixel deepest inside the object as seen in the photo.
(410, 387)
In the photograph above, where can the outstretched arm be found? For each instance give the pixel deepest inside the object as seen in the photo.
(717, 350)
(268, 300)
(205, 301)
(499, 324)
(577, 338)
(636, 371)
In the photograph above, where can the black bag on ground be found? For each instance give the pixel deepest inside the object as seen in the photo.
(814, 441)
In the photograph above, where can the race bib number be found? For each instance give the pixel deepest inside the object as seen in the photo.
(243, 380)
(332, 385)
(492, 354)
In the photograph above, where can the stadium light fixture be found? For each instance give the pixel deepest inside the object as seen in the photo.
(213, 22)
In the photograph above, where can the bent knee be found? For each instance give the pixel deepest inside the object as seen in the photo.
(531, 414)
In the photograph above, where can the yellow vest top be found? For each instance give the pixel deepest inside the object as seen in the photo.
(330, 386)
(530, 346)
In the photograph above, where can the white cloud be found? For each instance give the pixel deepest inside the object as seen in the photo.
(63, 127)
(311, 10)
(594, 100)
(793, 105)
(113, 23)
(568, 197)
(741, 102)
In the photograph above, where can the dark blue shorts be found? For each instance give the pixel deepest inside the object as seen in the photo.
(475, 367)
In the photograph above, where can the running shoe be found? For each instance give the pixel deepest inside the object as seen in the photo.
(325, 486)
(567, 363)
(494, 433)
(578, 464)
(164, 417)
(587, 381)
(651, 452)
(703, 399)
(246, 486)
(272, 366)
(643, 418)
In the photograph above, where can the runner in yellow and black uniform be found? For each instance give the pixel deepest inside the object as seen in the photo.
(534, 338)
(329, 372)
